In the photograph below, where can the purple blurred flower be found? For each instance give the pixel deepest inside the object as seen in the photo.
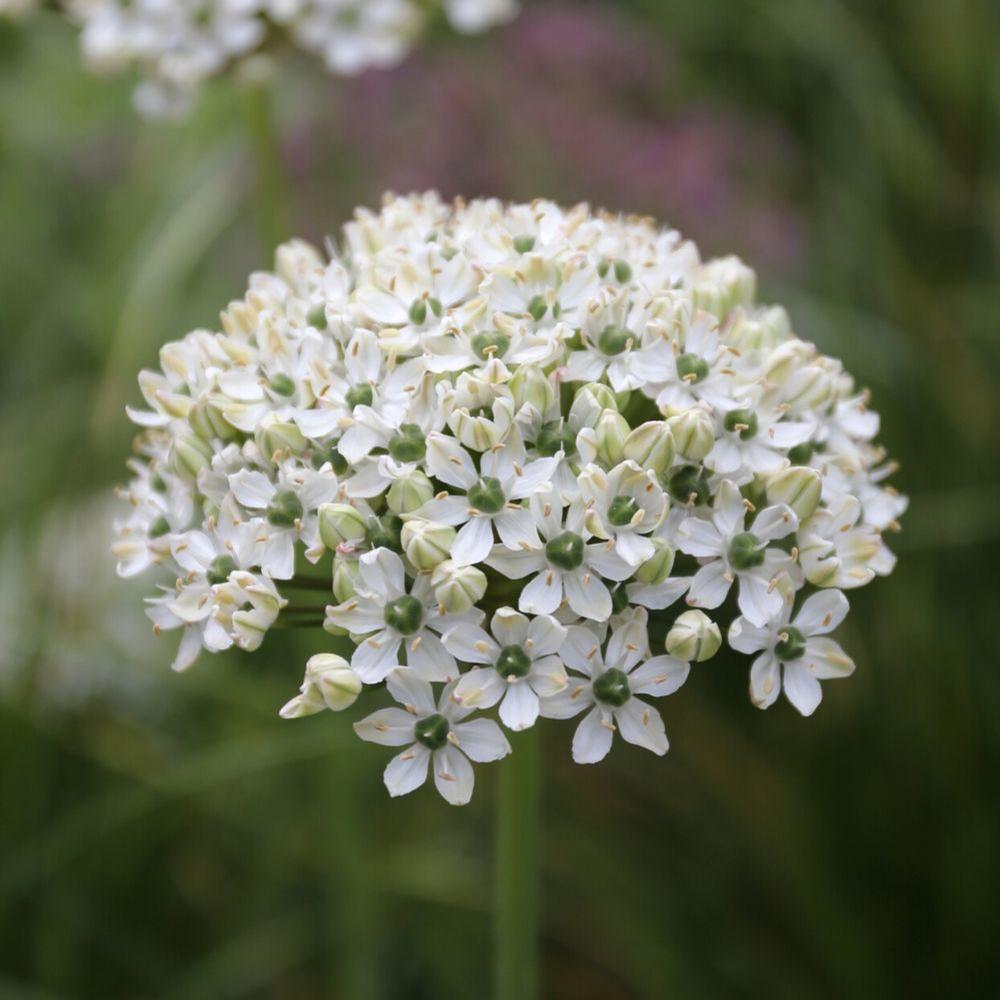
(572, 102)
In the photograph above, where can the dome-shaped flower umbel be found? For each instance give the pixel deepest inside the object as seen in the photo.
(175, 45)
(499, 447)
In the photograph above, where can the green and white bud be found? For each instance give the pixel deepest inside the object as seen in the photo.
(798, 486)
(329, 683)
(207, 422)
(346, 577)
(530, 387)
(656, 569)
(341, 524)
(762, 331)
(279, 438)
(589, 404)
(724, 284)
(458, 588)
(409, 493)
(651, 446)
(693, 433)
(608, 438)
(188, 456)
(427, 544)
(694, 637)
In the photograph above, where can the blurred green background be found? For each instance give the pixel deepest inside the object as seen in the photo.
(169, 836)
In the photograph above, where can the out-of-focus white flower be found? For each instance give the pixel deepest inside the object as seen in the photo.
(179, 44)
(560, 419)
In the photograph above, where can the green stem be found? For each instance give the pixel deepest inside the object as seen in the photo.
(517, 871)
(271, 201)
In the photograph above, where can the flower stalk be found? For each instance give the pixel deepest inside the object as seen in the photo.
(516, 909)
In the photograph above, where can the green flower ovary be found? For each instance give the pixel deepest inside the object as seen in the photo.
(612, 688)
(219, 569)
(792, 646)
(621, 510)
(404, 614)
(687, 482)
(513, 661)
(487, 495)
(490, 345)
(565, 551)
(689, 365)
(432, 732)
(386, 533)
(745, 551)
(359, 395)
(613, 340)
(745, 421)
(409, 445)
(284, 509)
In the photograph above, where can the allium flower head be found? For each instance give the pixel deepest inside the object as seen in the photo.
(175, 45)
(498, 447)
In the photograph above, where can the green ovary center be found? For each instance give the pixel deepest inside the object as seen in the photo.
(792, 646)
(745, 551)
(612, 688)
(487, 495)
(621, 510)
(404, 614)
(513, 661)
(432, 732)
(565, 551)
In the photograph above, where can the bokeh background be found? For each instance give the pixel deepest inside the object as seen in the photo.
(169, 836)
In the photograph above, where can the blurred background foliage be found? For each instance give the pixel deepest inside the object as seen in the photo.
(168, 836)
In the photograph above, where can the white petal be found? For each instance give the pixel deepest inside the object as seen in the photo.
(774, 522)
(642, 725)
(410, 689)
(533, 477)
(392, 727)
(801, 688)
(474, 542)
(515, 563)
(634, 549)
(592, 739)
(745, 637)
(659, 676)
(426, 654)
(510, 627)
(765, 680)
(544, 636)
(482, 740)
(548, 676)
(480, 688)
(582, 650)
(587, 596)
(757, 600)
(453, 775)
(470, 644)
(252, 489)
(699, 538)
(375, 657)
(728, 511)
(709, 586)
(407, 771)
(382, 573)
(448, 461)
(607, 562)
(822, 612)
(543, 594)
(569, 702)
(516, 529)
(519, 709)
(826, 659)
(660, 595)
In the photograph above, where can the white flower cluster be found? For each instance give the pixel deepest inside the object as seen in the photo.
(176, 45)
(507, 438)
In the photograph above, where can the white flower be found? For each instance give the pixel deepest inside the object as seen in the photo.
(392, 616)
(567, 567)
(473, 405)
(609, 687)
(434, 735)
(523, 665)
(730, 552)
(797, 655)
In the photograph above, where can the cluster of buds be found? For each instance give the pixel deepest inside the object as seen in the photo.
(525, 458)
(176, 46)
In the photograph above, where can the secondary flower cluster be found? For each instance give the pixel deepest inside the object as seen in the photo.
(176, 45)
(507, 438)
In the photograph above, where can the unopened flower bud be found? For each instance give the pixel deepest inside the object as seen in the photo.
(341, 524)
(724, 284)
(608, 438)
(329, 683)
(188, 456)
(346, 577)
(427, 543)
(277, 438)
(693, 433)
(762, 331)
(694, 637)
(651, 446)
(530, 387)
(589, 403)
(798, 486)
(208, 422)
(409, 493)
(657, 567)
(457, 588)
